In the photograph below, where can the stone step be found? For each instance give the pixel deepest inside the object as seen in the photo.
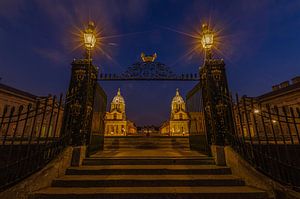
(145, 146)
(140, 143)
(207, 192)
(167, 143)
(146, 143)
(145, 140)
(150, 146)
(129, 138)
(146, 180)
(148, 170)
(149, 161)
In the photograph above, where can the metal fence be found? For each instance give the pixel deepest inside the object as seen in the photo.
(30, 137)
(268, 138)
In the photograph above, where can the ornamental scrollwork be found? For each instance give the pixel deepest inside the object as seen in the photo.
(148, 70)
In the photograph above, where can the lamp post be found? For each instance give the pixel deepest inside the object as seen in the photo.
(214, 88)
(79, 109)
(208, 90)
(89, 36)
(215, 92)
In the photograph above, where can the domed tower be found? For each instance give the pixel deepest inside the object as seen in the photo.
(116, 123)
(178, 125)
(177, 104)
(118, 103)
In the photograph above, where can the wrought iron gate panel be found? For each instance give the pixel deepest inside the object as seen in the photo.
(197, 128)
(97, 127)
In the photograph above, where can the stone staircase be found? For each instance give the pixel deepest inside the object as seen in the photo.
(149, 173)
(156, 142)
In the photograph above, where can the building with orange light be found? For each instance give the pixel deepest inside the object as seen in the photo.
(178, 125)
(116, 123)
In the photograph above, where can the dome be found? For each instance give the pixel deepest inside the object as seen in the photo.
(177, 99)
(118, 99)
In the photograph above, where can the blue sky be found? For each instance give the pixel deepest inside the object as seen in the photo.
(259, 42)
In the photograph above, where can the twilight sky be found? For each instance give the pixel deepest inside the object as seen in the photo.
(259, 41)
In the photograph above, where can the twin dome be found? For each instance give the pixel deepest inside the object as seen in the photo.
(118, 99)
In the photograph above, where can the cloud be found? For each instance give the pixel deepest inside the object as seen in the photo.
(109, 15)
(53, 55)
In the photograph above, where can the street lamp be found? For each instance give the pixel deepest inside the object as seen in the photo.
(89, 36)
(207, 40)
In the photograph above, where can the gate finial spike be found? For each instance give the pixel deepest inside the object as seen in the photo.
(119, 91)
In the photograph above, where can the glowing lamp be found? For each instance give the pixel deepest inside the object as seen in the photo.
(89, 36)
(207, 37)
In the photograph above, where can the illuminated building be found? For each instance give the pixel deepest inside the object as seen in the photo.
(178, 125)
(283, 94)
(116, 123)
(11, 97)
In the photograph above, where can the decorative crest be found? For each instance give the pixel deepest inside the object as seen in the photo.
(148, 58)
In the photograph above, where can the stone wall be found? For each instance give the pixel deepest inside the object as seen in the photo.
(254, 178)
(40, 179)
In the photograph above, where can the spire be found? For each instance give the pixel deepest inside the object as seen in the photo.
(119, 91)
(177, 91)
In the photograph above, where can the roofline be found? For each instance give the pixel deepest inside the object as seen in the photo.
(20, 93)
(282, 91)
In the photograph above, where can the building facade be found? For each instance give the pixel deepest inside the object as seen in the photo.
(286, 93)
(10, 96)
(116, 123)
(14, 98)
(272, 122)
(178, 125)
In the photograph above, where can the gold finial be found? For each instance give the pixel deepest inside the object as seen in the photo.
(148, 58)
(177, 91)
(119, 91)
(91, 25)
(204, 26)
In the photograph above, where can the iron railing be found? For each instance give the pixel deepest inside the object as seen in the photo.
(30, 137)
(267, 137)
